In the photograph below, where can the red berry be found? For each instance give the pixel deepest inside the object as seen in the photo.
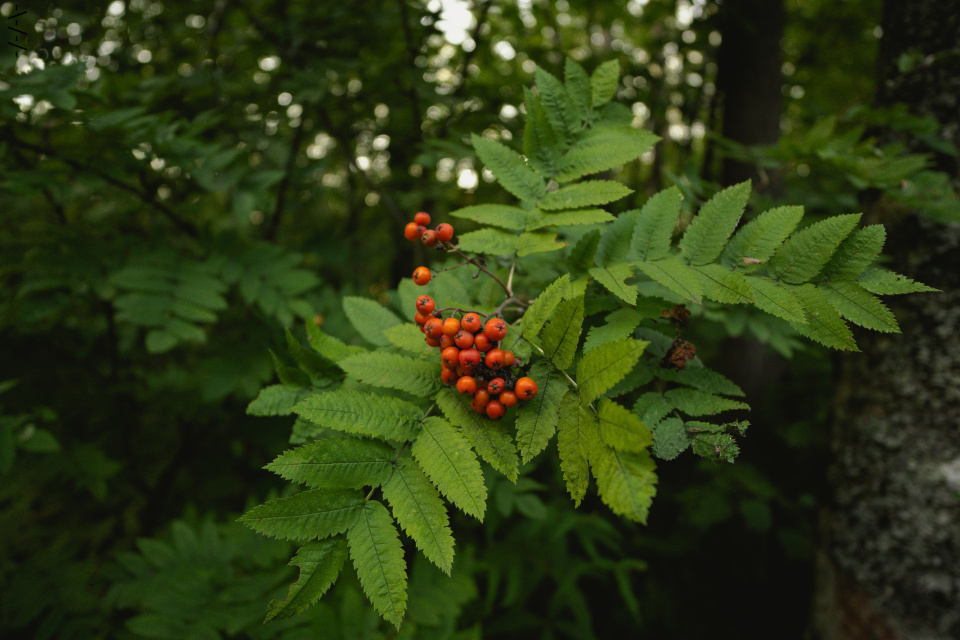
(508, 398)
(444, 232)
(422, 218)
(421, 275)
(429, 238)
(434, 328)
(482, 343)
(450, 357)
(495, 329)
(433, 342)
(425, 305)
(421, 319)
(469, 358)
(446, 342)
(451, 326)
(465, 371)
(526, 388)
(495, 410)
(479, 408)
(411, 231)
(464, 339)
(467, 385)
(449, 376)
(481, 397)
(508, 358)
(471, 322)
(494, 359)
(496, 385)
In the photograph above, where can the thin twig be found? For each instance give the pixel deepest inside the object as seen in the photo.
(274, 224)
(473, 261)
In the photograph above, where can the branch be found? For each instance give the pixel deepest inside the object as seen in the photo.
(474, 262)
(274, 224)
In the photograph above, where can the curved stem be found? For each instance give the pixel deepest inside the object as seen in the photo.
(473, 261)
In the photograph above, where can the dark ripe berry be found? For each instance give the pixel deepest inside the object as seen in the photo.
(469, 358)
(526, 388)
(422, 218)
(451, 326)
(495, 329)
(421, 275)
(464, 339)
(444, 232)
(482, 384)
(429, 238)
(411, 231)
(421, 319)
(481, 342)
(449, 376)
(495, 410)
(432, 342)
(481, 397)
(425, 305)
(434, 328)
(467, 385)
(465, 371)
(508, 358)
(471, 322)
(446, 342)
(494, 359)
(508, 398)
(496, 385)
(450, 357)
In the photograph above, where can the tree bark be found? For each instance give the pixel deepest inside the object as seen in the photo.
(889, 560)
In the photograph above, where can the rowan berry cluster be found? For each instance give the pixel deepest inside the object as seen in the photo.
(417, 230)
(473, 360)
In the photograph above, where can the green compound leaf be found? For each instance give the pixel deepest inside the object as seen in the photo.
(626, 481)
(653, 230)
(618, 325)
(394, 371)
(700, 378)
(577, 83)
(859, 306)
(495, 215)
(544, 306)
(333, 349)
(614, 244)
(620, 428)
(370, 318)
(275, 400)
(533, 242)
(419, 510)
(760, 238)
(408, 337)
(362, 413)
(824, 324)
(562, 333)
(603, 83)
(349, 463)
(612, 278)
(538, 219)
(855, 253)
(888, 283)
(806, 252)
(723, 285)
(317, 513)
(490, 439)
(777, 299)
(492, 242)
(509, 168)
(602, 149)
(320, 563)
(578, 435)
(540, 143)
(559, 107)
(378, 558)
(445, 456)
(603, 367)
(707, 235)
(590, 193)
(676, 276)
(537, 418)
(695, 402)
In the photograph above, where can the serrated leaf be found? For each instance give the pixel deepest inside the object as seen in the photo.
(707, 235)
(394, 371)
(370, 318)
(584, 251)
(409, 338)
(620, 428)
(860, 307)
(824, 324)
(723, 285)
(320, 563)
(761, 237)
(676, 276)
(612, 278)
(543, 307)
(419, 510)
(577, 84)
(562, 333)
(445, 456)
(495, 215)
(288, 375)
(377, 556)
(540, 143)
(560, 109)
(603, 83)
(618, 325)
(776, 299)
(538, 219)
(716, 447)
(614, 245)
(695, 402)
(511, 171)
(603, 148)
(489, 241)
(275, 400)
(537, 418)
(654, 226)
(700, 378)
(577, 436)
(349, 463)
(669, 438)
(317, 513)
(652, 408)
(589, 193)
(626, 481)
(333, 349)
(603, 367)
(362, 413)
(491, 440)
(534, 242)
(308, 360)
(806, 252)
(888, 283)
(855, 253)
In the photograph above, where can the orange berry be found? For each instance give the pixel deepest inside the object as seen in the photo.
(434, 328)
(482, 343)
(449, 376)
(464, 339)
(433, 342)
(481, 397)
(465, 371)
(450, 357)
(471, 322)
(429, 238)
(494, 359)
(411, 231)
(421, 319)
(479, 408)
(495, 329)
(495, 410)
(444, 232)
(526, 388)
(496, 385)
(422, 218)
(425, 305)
(469, 358)
(451, 326)
(508, 398)
(508, 358)
(421, 275)
(446, 342)
(467, 385)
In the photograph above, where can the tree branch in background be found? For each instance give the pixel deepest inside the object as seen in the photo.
(274, 224)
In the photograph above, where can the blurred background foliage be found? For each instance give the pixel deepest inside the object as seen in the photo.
(182, 181)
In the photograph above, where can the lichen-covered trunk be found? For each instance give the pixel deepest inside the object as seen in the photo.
(889, 561)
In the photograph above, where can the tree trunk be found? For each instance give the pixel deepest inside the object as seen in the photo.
(889, 561)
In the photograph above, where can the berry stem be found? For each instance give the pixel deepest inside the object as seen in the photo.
(473, 261)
